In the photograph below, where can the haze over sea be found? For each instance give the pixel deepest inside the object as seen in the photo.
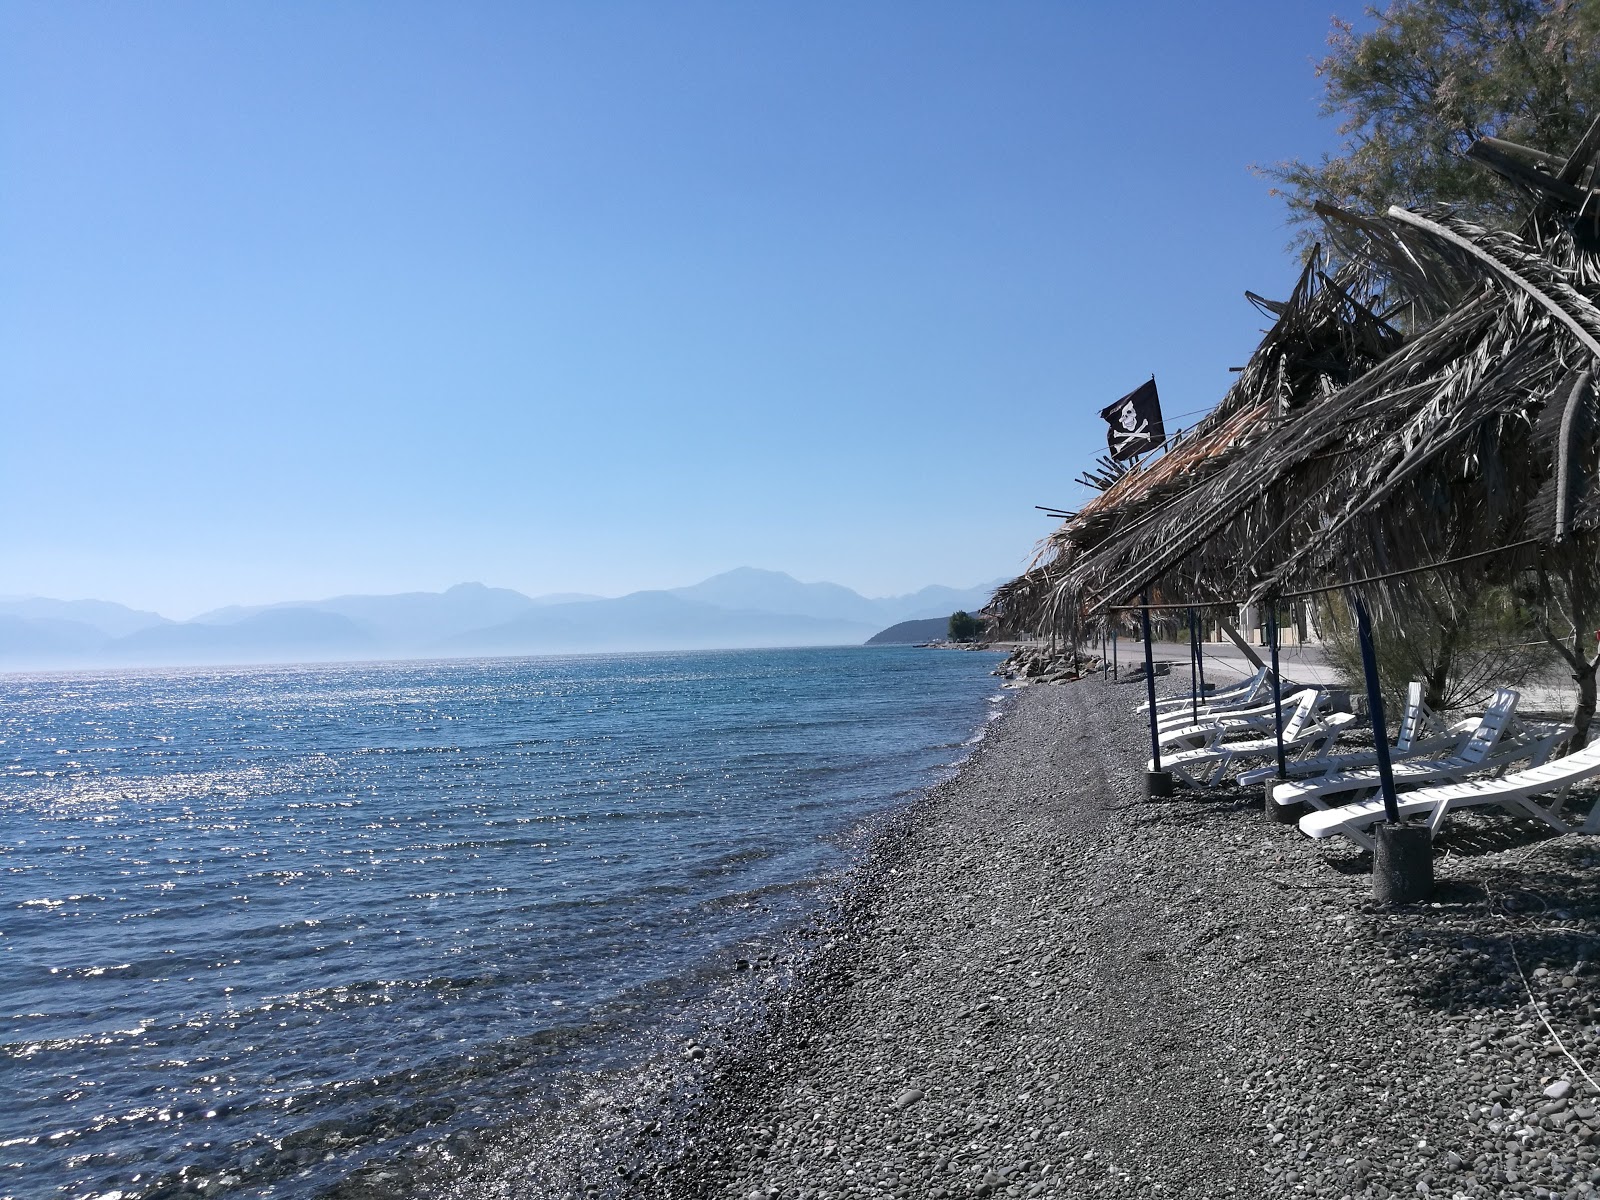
(268, 926)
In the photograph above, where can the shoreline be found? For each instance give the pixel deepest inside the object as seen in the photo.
(1041, 984)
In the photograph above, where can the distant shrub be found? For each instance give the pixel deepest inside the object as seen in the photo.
(964, 627)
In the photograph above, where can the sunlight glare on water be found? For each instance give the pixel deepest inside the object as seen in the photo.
(262, 926)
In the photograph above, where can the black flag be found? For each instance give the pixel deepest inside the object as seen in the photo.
(1134, 422)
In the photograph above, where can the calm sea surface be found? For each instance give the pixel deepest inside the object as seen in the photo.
(262, 927)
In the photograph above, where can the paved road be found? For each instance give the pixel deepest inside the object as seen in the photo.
(1225, 663)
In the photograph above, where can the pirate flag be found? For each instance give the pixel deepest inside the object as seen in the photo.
(1134, 422)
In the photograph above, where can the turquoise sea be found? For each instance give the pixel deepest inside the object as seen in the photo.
(266, 927)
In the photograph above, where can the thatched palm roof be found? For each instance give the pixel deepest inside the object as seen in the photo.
(1361, 439)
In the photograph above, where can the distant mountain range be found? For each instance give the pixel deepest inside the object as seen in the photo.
(743, 607)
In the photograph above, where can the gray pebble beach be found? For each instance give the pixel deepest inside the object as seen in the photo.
(1042, 984)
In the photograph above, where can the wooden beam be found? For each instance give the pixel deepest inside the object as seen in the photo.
(1515, 169)
(1582, 154)
(1244, 646)
(1531, 155)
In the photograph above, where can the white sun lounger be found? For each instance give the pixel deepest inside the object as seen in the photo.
(1260, 718)
(1176, 717)
(1512, 792)
(1419, 735)
(1477, 755)
(1302, 734)
(1246, 691)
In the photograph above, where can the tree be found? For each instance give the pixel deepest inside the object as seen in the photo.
(1428, 80)
(1460, 641)
(964, 627)
(1567, 584)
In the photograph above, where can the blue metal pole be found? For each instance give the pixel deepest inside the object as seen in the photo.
(1277, 684)
(1150, 681)
(1380, 728)
(1194, 670)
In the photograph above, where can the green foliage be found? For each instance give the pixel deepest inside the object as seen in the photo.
(1462, 645)
(964, 627)
(1432, 77)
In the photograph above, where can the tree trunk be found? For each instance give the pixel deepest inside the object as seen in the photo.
(1434, 684)
(1584, 713)
(1583, 668)
(1436, 681)
(1577, 658)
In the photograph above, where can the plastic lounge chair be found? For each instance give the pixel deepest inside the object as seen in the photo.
(1185, 714)
(1302, 733)
(1419, 734)
(1544, 736)
(1479, 754)
(1533, 741)
(1246, 691)
(1514, 793)
(1261, 718)
(1261, 706)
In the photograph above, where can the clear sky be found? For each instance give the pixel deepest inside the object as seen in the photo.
(307, 298)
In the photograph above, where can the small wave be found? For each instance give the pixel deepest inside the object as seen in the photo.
(90, 972)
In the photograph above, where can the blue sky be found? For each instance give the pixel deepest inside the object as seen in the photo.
(301, 299)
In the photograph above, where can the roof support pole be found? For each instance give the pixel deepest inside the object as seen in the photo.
(1150, 681)
(1402, 859)
(1156, 781)
(1277, 684)
(1194, 670)
(1380, 728)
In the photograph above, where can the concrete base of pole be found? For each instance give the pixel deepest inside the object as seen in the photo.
(1281, 814)
(1158, 783)
(1402, 867)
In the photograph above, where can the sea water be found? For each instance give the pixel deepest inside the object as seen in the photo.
(265, 926)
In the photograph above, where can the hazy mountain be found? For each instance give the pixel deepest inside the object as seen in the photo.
(937, 601)
(43, 641)
(743, 607)
(277, 635)
(406, 619)
(774, 591)
(111, 620)
(650, 621)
